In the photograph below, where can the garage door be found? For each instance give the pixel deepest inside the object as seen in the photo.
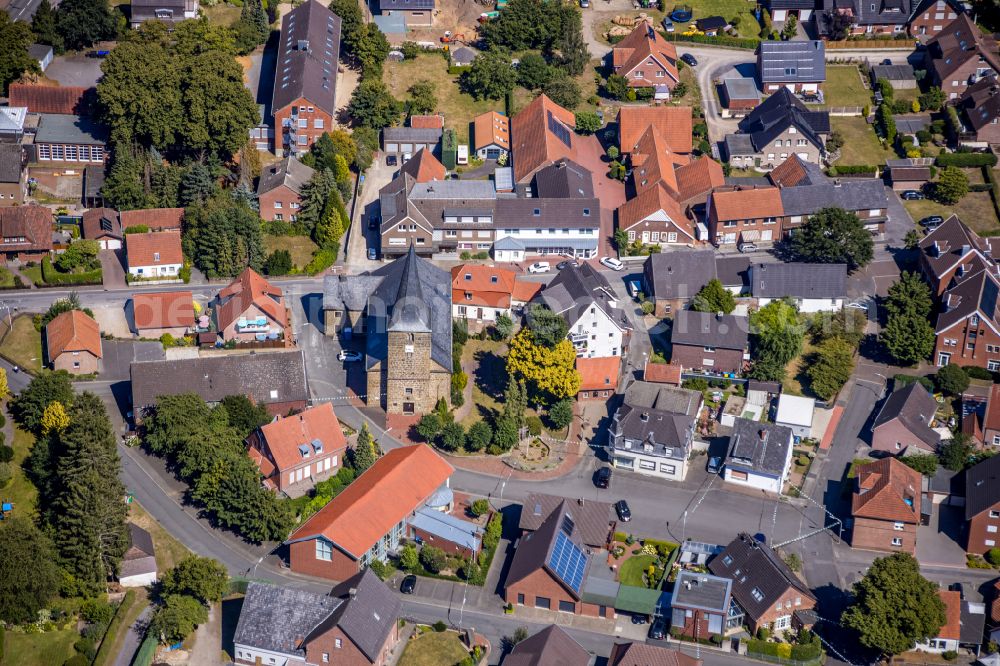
(392, 147)
(406, 148)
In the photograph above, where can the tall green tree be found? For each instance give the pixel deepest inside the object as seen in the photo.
(83, 23)
(533, 72)
(200, 577)
(15, 38)
(776, 338)
(371, 48)
(547, 327)
(515, 402)
(833, 236)
(44, 25)
(315, 196)
(363, 454)
(253, 15)
(563, 91)
(713, 297)
(372, 105)
(29, 576)
(244, 415)
(223, 237)
(88, 516)
(573, 53)
(423, 98)
(45, 388)
(528, 24)
(351, 19)
(491, 76)
(894, 606)
(951, 185)
(177, 618)
(908, 334)
(832, 366)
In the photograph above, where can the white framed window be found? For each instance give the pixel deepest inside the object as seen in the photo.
(992, 529)
(324, 550)
(898, 526)
(897, 541)
(338, 643)
(647, 464)
(990, 543)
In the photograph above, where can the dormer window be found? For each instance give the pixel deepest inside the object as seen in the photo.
(468, 276)
(494, 279)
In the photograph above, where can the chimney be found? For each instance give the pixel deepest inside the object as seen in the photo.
(644, 417)
(718, 315)
(762, 434)
(580, 501)
(353, 593)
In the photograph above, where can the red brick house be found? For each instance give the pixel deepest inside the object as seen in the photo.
(648, 654)
(952, 253)
(646, 60)
(700, 605)
(305, 79)
(968, 327)
(903, 425)
(250, 308)
(296, 452)
(979, 109)
(767, 592)
(744, 215)
(959, 55)
(982, 421)
(932, 16)
(541, 133)
(982, 505)
(551, 645)
(369, 519)
(598, 377)
(886, 507)
(707, 341)
(279, 189)
(356, 624)
(673, 123)
(25, 232)
(73, 343)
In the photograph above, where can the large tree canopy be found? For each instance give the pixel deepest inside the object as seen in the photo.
(908, 335)
(29, 576)
(834, 236)
(223, 236)
(15, 38)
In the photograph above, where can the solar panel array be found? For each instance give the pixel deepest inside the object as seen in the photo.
(568, 561)
(988, 303)
(560, 130)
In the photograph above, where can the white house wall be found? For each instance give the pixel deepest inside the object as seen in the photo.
(603, 337)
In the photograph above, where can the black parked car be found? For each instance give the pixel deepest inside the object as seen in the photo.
(408, 585)
(569, 263)
(932, 222)
(912, 195)
(658, 628)
(690, 59)
(603, 477)
(639, 619)
(624, 513)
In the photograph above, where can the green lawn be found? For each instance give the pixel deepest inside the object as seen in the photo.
(53, 647)
(169, 551)
(796, 382)
(975, 209)
(23, 345)
(6, 278)
(300, 247)
(33, 273)
(843, 87)
(434, 649)
(222, 13)
(727, 9)
(19, 489)
(633, 568)
(861, 145)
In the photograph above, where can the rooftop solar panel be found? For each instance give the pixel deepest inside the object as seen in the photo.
(568, 562)
(989, 300)
(560, 130)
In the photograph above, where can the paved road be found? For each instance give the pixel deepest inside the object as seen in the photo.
(134, 637)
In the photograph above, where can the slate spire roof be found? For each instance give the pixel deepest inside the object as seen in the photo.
(408, 312)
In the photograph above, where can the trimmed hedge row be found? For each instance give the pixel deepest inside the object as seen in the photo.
(966, 159)
(51, 276)
(107, 643)
(806, 652)
(853, 169)
(734, 42)
(899, 381)
(994, 191)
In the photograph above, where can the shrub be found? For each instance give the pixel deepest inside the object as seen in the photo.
(6, 453)
(976, 372)
(439, 626)
(561, 413)
(966, 160)
(993, 556)
(648, 307)
(534, 425)
(949, 655)
(52, 276)
(433, 558)
(899, 381)
(480, 507)
(323, 259)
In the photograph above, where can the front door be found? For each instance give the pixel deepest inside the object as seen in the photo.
(407, 407)
(943, 359)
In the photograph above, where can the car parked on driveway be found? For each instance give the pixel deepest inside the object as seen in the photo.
(690, 59)
(932, 222)
(668, 25)
(348, 356)
(603, 477)
(624, 513)
(569, 263)
(539, 267)
(612, 263)
(912, 195)
(658, 628)
(408, 585)
(714, 465)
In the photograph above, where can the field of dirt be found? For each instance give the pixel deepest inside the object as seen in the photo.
(457, 16)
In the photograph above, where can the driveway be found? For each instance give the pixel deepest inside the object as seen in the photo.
(361, 237)
(113, 271)
(611, 193)
(940, 543)
(898, 224)
(75, 70)
(111, 318)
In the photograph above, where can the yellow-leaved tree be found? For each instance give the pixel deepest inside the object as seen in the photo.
(54, 418)
(549, 369)
(4, 387)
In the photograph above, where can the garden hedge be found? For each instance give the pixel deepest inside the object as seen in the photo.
(853, 169)
(966, 159)
(53, 277)
(733, 42)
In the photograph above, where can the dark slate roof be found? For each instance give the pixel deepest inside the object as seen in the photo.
(707, 328)
(648, 395)
(741, 88)
(879, 12)
(792, 62)
(972, 622)
(140, 558)
(733, 271)
(533, 550)
(862, 194)
(386, 6)
(592, 518)
(278, 619)
(795, 4)
(914, 407)
(667, 434)
(575, 289)
(777, 113)
(273, 377)
(740, 144)
(982, 486)
(288, 171)
(977, 294)
(564, 179)
(950, 244)
(369, 611)
(678, 274)
(61, 128)
(309, 48)
(414, 134)
(11, 162)
(551, 646)
(759, 447)
(759, 568)
(463, 55)
(893, 72)
(798, 280)
(519, 213)
(701, 591)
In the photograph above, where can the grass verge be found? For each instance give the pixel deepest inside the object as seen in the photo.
(975, 209)
(20, 490)
(52, 647)
(169, 551)
(434, 649)
(23, 344)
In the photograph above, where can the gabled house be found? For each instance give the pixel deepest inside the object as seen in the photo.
(404, 310)
(491, 135)
(799, 66)
(779, 127)
(479, 294)
(12, 173)
(104, 226)
(760, 455)
(886, 507)
(305, 88)
(588, 303)
(767, 593)
(279, 191)
(738, 96)
(73, 343)
(250, 308)
(968, 327)
(929, 17)
(979, 111)
(551, 646)
(541, 133)
(25, 232)
(368, 520)
(960, 55)
(153, 314)
(593, 519)
(812, 287)
(654, 217)
(355, 624)
(39, 99)
(646, 60)
(296, 452)
(796, 172)
(673, 123)
(424, 167)
(648, 654)
(745, 215)
(951, 254)
(672, 279)
(982, 505)
(652, 432)
(155, 255)
(168, 11)
(951, 632)
(865, 197)
(138, 566)
(801, 9)
(699, 606)
(882, 17)
(598, 377)
(903, 424)
(707, 341)
(981, 418)
(407, 140)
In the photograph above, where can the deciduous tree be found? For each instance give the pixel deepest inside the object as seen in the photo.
(713, 297)
(776, 339)
(423, 97)
(561, 413)
(15, 38)
(563, 91)
(83, 23)
(479, 436)
(908, 335)
(29, 576)
(54, 418)
(832, 366)
(951, 379)
(533, 72)
(177, 618)
(587, 122)
(200, 577)
(833, 236)
(952, 184)
(372, 105)
(45, 27)
(547, 327)
(956, 453)
(491, 76)
(45, 388)
(549, 369)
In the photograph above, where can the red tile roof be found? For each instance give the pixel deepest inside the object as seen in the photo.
(486, 286)
(992, 418)
(648, 202)
(167, 309)
(887, 490)
(72, 331)
(491, 128)
(249, 288)
(524, 290)
(542, 132)
(696, 179)
(653, 162)
(746, 204)
(283, 436)
(995, 605)
(789, 173)
(47, 99)
(424, 167)
(599, 372)
(33, 223)
(157, 219)
(952, 629)
(427, 122)
(662, 373)
(153, 248)
(637, 48)
(673, 122)
(388, 491)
